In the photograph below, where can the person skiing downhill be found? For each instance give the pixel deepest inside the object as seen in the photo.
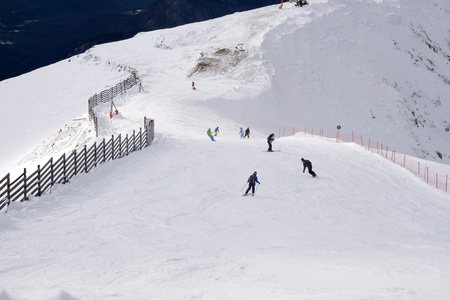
(252, 180)
(308, 164)
(209, 133)
(270, 139)
(247, 132)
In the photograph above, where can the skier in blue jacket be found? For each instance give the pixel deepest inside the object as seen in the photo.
(252, 180)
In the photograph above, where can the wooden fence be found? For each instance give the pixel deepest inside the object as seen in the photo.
(107, 95)
(60, 171)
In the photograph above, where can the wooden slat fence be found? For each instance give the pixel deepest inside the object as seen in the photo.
(66, 167)
(107, 95)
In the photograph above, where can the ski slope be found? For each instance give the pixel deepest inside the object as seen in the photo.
(169, 222)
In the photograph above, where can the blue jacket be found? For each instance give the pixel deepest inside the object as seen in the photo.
(252, 179)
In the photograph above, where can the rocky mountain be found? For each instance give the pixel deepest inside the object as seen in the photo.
(37, 33)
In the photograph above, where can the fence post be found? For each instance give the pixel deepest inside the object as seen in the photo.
(134, 140)
(95, 154)
(39, 179)
(8, 184)
(368, 146)
(120, 145)
(404, 161)
(64, 167)
(362, 143)
(104, 151)
(85, 160)
(51, 171)
(437, 181)
(112, 147)
(126, 136)
(75, 162)
(24, 184)
(140, 138)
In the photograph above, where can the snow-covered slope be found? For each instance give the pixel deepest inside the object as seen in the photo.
(379, 68)
(168, 222)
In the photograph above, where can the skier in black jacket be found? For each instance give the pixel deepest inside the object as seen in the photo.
(307, 164)
(270, 139)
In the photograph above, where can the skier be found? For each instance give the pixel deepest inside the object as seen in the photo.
(241, 132)
(209, 133)
(193, 86)
(216, 131)
(307, 164)
(270, 139)
(247, 132)
(252, 180)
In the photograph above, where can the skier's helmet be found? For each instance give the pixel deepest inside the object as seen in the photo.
(255, 172)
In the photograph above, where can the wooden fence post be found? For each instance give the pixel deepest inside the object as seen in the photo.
(8, 188)
(51, 172)
(127, 143)
(75, 162)
(85, 160)
(24, 184)
(39, 179)
(120, 145)
(140, 138)
(104, 151)
(64, 168)
(112, 147)
(95, 154)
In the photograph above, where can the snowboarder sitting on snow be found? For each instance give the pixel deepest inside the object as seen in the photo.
(209, 133)
(247, 132)
(252, 180)
(216, 131)
(307, 164)
(270, 139)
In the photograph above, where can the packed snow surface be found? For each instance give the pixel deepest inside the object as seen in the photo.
(170, 222)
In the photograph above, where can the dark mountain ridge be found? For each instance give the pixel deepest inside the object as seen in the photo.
(37, 33)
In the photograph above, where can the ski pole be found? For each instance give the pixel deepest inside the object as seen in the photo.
(243, 187)
(257, 187)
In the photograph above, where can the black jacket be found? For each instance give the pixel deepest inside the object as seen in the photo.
(306, 164)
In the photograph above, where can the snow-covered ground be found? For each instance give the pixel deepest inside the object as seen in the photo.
(169, 222)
